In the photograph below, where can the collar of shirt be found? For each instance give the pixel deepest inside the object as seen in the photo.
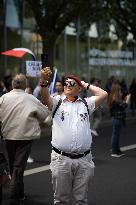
(64, 99)
(18, 90)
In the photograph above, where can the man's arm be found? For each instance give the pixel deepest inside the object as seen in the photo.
(46, 98)
(98, 92)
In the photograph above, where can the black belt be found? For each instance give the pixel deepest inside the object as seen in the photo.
(72, 156)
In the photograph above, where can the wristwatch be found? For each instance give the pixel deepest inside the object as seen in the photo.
(87, 86)
(44, 84)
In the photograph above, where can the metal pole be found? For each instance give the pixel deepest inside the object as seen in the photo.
(65, 53)
(37, 41)
(78, 47)
(134, 56)
(5, 34)
(22, 27)
(88, 56)
(22, 20)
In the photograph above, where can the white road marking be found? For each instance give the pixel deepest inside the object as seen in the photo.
(125, 148)
(37, 170)
(47, 167)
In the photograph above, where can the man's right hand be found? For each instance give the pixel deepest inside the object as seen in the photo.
(46, 73)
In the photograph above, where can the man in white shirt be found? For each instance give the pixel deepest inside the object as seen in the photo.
(20, 116)
(71, 159)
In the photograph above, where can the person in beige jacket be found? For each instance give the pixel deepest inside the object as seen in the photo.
(20, 116)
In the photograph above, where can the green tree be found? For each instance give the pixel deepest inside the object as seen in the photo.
(124, 14)
(52, 16)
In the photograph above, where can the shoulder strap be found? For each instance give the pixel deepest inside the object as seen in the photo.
(59, 103)
(84, 101)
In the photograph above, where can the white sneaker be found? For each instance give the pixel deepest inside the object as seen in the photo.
(117, 155)
(30, 160)
(94, 132)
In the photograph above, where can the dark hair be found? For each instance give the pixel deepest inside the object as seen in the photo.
(59, 81)
(114, 94)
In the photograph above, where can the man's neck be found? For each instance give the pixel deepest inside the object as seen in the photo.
(59, 93)
(72, 98)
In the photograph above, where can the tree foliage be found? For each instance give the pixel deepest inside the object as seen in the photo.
(124, 14)
(52, 16)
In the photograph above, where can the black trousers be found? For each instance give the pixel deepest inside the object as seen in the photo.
(18, 153)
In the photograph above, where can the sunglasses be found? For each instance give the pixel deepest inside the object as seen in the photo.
(70, 83)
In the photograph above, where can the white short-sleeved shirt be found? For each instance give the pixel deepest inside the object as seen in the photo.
(71, 127)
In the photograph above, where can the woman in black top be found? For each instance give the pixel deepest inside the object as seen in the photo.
(117, 104)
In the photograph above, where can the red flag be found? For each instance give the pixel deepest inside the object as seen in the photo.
(18, 52)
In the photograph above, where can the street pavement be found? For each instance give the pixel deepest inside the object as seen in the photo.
(114, 182)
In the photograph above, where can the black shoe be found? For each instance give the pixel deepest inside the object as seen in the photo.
(119, 154)
(24, 199)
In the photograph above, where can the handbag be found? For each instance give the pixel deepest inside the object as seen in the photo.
(4, 170)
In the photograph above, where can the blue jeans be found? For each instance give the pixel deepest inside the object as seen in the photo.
(116, 131)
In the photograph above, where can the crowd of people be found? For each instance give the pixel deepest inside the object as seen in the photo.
(77, 110)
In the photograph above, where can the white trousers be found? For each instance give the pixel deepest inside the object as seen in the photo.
(70, 178)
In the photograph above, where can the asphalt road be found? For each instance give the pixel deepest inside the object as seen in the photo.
(114, 182)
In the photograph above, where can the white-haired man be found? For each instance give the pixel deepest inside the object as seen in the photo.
(20, 115)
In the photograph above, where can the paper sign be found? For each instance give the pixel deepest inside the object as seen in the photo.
(33, 68)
